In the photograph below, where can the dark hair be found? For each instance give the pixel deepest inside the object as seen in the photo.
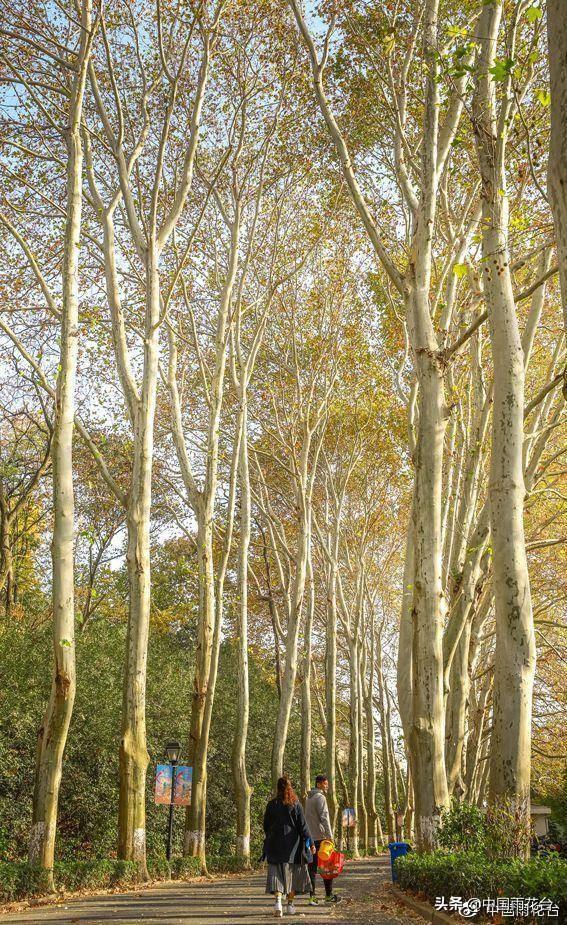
(321, 778)
(285, 792)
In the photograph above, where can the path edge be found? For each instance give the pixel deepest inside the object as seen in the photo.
(428, 912)
(56, 899)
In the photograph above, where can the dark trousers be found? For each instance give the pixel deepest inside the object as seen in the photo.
(313, 873)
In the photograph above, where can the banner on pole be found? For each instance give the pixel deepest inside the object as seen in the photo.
(349, 818)
(162, 792)
(182, 786)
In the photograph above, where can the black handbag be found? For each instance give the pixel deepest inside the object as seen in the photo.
(306, 856)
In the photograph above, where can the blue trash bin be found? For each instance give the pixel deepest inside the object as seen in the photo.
(397, 850)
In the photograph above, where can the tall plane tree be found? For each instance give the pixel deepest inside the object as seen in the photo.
(557, 175)
(418, 174)
(132, 147)
(514, 660)
(30, 70)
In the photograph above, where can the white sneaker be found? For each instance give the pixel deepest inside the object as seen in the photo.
(291, 910)
(278, 911)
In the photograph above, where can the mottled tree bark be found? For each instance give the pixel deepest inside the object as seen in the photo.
(557, 169)
(305, 755)
(386, 769)
(514, 661)
(242, 789)
(52, 736)
(374, 835)
(134, 757)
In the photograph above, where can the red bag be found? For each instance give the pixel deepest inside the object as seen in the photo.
(332, 866)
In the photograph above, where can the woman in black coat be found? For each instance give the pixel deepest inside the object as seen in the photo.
(287, 847)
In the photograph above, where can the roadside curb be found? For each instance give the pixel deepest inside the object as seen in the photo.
(424, 909)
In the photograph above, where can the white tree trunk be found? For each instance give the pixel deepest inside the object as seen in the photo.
(374, 836)
(303, 493)
(354, 750)
(331, 681)
(52, 736)
(362, 809)
(242, 789)
(194, 843)
(134, 756)
(305, 755)
(404, 682)
(427, 735)
(426, 741)
(207, 654)
(514, 661)
(557, 171)
(386, 770)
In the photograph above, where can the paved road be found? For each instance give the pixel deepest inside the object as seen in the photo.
(241, 901)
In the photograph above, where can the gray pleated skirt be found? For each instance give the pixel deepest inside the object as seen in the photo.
(288, 878)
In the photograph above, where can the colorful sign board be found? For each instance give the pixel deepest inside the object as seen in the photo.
(349, 818)
(182, 787)
(162, 792)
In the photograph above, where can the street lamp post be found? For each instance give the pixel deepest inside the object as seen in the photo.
(172, 751)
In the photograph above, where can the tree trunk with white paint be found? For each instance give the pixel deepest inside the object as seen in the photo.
(134, 757)
(386, 770)
(374, 836)
(204, 508)
(426, 740)
(305, 754)
(362, 809)
(52, 736)
(242, 789)
(427, 734)
(404, 684)
(331, 675)
(354, 751)
(194, 845)
(514, 661)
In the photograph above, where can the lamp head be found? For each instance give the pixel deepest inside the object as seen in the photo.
(172, 751)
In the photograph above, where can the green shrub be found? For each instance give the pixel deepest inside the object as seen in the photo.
(95, 874)
(474, 875)
(225, 864)
(159, 868)
(18, 879)
(123, 872)
(508, 828)
(463, 828)
(181, 868)
(500, 832)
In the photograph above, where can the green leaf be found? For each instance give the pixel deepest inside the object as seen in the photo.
(533, 13)
(460, 270)
(543, 97)
(502, 69)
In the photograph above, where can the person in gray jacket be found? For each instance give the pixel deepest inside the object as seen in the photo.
(319, 825)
